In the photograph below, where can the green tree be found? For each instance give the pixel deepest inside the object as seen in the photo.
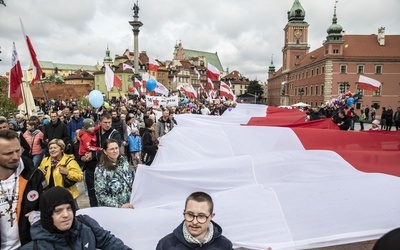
(7, 106)
(255, 89)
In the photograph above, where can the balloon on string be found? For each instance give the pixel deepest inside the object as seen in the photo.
(130, 89)
(106, 105)
(151, 84)
(96, 98)
(350, 101)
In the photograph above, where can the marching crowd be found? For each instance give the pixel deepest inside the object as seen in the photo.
(43, 157)
(346, 118)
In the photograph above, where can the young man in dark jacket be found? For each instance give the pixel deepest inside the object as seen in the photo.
(20, 187)
(197, 231)
(59, 228)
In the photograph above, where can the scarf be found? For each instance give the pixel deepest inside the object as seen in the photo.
(34, 132)
(189, 238)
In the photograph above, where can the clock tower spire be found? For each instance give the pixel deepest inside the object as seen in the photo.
(296, 37)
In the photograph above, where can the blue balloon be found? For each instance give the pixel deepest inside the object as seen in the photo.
(96, 99)
(151, 84)
(350, 101)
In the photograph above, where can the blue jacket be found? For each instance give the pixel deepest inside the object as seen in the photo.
(176, 241)
(74, 125)
(134, 143)
(87, 235)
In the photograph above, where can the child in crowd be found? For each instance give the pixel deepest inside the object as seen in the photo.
(88, 137)
(134, 143)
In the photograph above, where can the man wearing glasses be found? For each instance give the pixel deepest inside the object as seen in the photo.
(197, 231)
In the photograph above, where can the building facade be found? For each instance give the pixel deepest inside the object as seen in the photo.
(318, 76)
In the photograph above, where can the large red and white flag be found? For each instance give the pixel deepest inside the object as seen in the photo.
(153, 64)
(210, 84)
(212, 72)
(111, 79)
(37, 70)
(15, 81)
(367, 83)
(127, 66)
(160, 88)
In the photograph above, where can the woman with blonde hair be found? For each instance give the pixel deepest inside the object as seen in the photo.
(61, 169)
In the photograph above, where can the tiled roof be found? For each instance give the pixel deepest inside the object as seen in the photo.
(368, 46)
(64, 66)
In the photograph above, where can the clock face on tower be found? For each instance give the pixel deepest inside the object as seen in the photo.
(298, 33)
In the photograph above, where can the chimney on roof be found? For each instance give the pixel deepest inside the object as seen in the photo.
(381, 36)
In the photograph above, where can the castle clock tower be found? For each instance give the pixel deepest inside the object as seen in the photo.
(296, 37)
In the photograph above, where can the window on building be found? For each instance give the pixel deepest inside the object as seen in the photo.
(312, 72)
(322, 89)
(358, 105)
(316, 90)
(335, 51)
(378, 92)
(297, 56)
(306, 74)
(323, 69)
(343, 69)
(360, 69)
(378, 69)
(317, 71)
(305, 90)
(311, 90)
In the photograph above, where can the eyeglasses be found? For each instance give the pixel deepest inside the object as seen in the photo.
(201, 218)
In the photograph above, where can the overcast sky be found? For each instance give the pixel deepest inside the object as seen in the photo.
(244, 33)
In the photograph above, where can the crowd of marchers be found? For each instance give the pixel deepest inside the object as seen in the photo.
(44, 156)
(347, 117)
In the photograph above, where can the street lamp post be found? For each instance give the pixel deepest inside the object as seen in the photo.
(301, 93)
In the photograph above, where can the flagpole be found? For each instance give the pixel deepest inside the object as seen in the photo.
(23, 95)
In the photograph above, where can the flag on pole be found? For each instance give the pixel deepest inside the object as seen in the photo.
(138, 83)
(160, 88)
(367, 83)
(197, 72)
(210, 84)
(37, 70)
(127, 66)
(153, 64)
(15, 81)
(225, 91)
(230, 84)
(225, 85)
(111, 79)
(212, 72)
(174, 78)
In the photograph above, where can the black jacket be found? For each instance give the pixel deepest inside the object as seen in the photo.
(56, 131)
(34, 183)
(176, 241)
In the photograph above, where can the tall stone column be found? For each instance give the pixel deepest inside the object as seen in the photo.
(136, 24)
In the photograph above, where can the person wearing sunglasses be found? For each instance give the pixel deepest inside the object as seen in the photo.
(197, 231)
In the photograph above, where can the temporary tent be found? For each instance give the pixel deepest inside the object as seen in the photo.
(300, 104)
(279, 187)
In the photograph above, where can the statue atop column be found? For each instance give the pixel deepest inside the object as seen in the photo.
(136, 8)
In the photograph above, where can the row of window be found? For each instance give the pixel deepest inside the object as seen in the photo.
(319, 90)
(304, 74)
(360, 69)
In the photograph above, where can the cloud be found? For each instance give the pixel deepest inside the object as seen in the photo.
(244, 33)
